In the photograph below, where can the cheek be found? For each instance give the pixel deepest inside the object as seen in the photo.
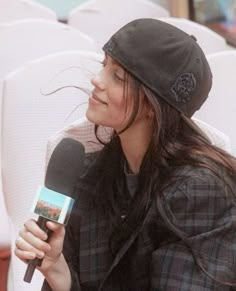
(117, 103)
(117, 114)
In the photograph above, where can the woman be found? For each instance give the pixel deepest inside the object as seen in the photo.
(155, 208)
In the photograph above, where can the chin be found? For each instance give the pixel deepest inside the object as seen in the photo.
(99, 118)
(93, 117)
(89, 116)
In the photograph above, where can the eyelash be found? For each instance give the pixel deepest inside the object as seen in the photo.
(118, 77)
(103, 63)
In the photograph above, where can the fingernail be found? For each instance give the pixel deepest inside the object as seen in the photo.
(41, 255)
(32, 256)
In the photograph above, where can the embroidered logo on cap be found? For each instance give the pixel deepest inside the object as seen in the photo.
(183, 86)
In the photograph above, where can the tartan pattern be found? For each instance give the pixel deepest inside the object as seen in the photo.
(154, 259)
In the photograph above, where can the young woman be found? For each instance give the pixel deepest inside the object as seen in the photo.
(155, 208)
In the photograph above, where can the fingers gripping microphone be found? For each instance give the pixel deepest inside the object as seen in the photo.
(53, 202)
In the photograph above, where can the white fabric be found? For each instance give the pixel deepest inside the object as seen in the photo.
(29, 118)
(25, 40)
(101, 18)
(21, 9)
(220, 107)
(4, 219)
(209, 40)
(83, 131)
(217, 137)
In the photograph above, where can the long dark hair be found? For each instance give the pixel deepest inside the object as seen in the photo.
(176, 141)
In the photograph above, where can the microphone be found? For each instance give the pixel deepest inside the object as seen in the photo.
(53, 202)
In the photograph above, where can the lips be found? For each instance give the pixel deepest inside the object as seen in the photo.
(95, 97)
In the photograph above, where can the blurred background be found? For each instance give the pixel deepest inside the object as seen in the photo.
(219, 15)
(63, 7)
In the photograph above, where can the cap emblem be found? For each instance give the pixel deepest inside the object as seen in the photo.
(183, 86)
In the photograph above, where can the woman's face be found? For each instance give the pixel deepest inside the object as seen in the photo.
(109, 105)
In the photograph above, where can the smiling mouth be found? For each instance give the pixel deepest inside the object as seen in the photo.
(98, 99)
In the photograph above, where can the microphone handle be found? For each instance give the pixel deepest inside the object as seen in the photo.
(32, 264)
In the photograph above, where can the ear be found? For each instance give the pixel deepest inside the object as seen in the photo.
(148, 109)
(150, 113)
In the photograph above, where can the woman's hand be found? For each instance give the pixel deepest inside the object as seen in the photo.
(31, 243)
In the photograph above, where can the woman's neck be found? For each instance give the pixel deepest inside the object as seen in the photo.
(135, 141)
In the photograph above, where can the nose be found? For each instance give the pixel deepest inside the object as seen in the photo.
(97, 81)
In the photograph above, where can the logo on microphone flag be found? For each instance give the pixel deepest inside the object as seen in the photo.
(52, 205)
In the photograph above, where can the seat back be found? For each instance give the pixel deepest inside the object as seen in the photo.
(33, 109)
(25, 40)
(220, 107)
(21, 9)
(4, 221)
(217, 137)
(210, 41)
(101, 18)
(83, 131)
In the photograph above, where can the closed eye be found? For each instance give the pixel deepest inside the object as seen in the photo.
(119, 77)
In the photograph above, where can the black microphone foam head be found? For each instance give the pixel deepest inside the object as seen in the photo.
(65, 166)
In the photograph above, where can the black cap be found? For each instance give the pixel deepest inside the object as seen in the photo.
(165, 59)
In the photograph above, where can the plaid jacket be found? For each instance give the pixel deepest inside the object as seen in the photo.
(153, 258)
